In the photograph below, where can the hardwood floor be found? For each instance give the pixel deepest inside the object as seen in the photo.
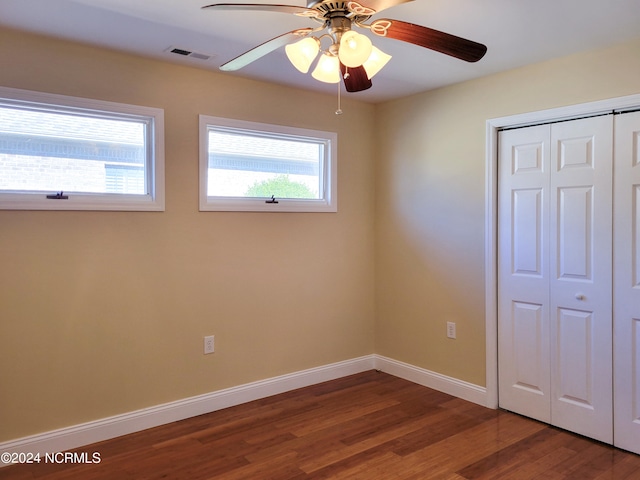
(370, 426)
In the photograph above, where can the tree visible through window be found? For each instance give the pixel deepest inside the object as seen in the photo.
(280, 187)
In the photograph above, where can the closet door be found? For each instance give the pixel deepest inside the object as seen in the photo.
(580, 308)
(523, 272)
(554, 274)
(627, 282)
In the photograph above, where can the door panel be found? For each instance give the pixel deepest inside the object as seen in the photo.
(527, 231)
(574, 151)
(581, 276)
(527, 337)
(635, 231)
(634, 400)
(627, 282)
(575, 232)
(523, 335)
(575, 353)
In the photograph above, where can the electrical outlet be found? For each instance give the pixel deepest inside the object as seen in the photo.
(208, 344)
(451, 330)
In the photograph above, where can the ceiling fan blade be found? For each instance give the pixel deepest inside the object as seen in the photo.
(359, 7)
(261, 50)
(429, 38)
(256, 7)
(355, 78)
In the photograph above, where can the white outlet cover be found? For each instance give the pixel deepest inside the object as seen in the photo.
(451, 330)
(209, 344)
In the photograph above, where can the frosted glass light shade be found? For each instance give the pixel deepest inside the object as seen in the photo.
(302, 53)
(354, 49)
(375, 62)
(328, 69)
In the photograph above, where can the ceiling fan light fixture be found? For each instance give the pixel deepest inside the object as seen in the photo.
(328, 69)
(351, 56)
(375, 62)
(355, 48)
(302, 53)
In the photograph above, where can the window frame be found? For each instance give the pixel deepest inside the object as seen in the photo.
(328, 169)
(154, 200)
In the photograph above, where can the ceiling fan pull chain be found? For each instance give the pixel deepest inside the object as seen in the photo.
(339, 110)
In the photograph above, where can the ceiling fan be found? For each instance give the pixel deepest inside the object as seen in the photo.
(349, 56)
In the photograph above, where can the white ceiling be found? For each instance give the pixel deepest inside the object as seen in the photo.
(516, 32)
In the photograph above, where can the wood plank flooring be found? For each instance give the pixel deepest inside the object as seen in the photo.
(370, 426)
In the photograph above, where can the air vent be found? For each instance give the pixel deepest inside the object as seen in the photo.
(188, 53)
(179, 51)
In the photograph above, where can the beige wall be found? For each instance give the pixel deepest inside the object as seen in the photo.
(430, 194)
(102, 313)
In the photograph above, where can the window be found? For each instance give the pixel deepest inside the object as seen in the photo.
(247, 166)
(67, 153)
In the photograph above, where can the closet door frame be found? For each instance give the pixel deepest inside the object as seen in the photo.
(493, 126)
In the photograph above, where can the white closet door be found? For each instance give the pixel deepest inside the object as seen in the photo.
(627, 282)
(523, 273)
(554, 274)
(580, 308)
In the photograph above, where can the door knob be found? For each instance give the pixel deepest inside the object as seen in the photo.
(579, 296)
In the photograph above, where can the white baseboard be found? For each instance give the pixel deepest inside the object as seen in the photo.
(87, 433)
(452, 386)
(104, 429)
